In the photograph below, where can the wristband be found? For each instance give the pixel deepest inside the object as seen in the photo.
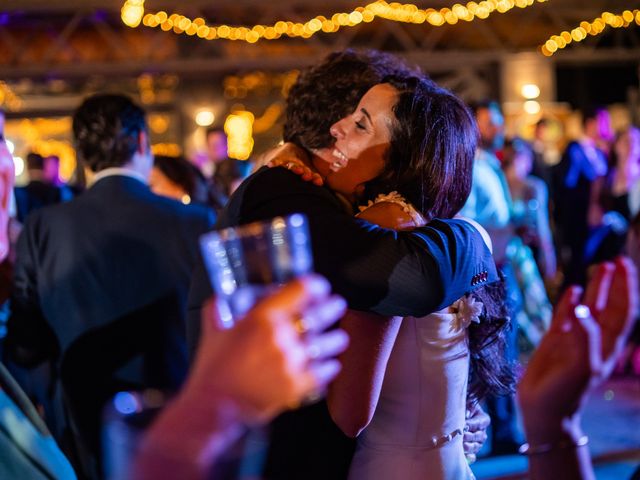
(529, 450)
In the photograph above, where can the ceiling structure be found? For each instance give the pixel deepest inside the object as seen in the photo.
(74, 46)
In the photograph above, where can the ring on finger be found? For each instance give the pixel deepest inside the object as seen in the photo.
(336, 165)
(301, 325)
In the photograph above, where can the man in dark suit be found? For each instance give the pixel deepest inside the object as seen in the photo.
(386, 272)
(106, 275)
(38, 192)
(576, 209)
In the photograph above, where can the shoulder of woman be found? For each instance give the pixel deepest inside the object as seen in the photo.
(485, 235)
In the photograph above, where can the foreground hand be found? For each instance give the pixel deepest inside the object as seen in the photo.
(579, 350)
(263, 364)
(294, 159)
(475, 433)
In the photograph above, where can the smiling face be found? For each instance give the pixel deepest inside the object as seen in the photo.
(362, 141)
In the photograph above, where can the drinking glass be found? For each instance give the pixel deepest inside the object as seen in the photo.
(244, 263)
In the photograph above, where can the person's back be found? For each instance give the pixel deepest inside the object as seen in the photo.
(107, 253)
(38, 192)
(101, 281)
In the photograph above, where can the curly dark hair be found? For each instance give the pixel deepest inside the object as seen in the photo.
(433, 142)
(106, 130)
(331, 90)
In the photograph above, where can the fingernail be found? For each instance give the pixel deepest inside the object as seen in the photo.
(317, 284)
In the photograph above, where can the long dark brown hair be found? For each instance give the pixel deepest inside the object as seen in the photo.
(430, 163)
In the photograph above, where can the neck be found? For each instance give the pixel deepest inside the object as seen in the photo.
(320, 165)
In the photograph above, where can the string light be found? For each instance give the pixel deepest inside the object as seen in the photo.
(595, 27)
(239, 129)
(166, 149)
(133, 15)
(132, 12)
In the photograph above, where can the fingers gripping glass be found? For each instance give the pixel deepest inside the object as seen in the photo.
(246, 262)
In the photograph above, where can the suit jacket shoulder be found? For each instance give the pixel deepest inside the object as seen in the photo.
(272, 192)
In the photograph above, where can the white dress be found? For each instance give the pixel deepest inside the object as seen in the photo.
(416, 430)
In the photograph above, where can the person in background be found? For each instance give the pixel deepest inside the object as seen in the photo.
(530, 198)
(532, 251)
(28, 448)
(544, 154)
(224, 173)
(489, 204)
(39, 192)
(610, 213)
(52, 176)
(576, 355)
(628, 144)
(630, 359)
(176, 178)
(100, 282)
(7, 179)
(576, 208)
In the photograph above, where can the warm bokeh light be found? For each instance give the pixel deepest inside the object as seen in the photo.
(532, 107)
(239, 129)
(10, 146)
(397, 12)
(204, 118)
(18, 165)
(166, 149)
(595, 27)
(530, 91)
(132, 12)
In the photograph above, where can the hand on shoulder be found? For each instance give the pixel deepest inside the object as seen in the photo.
(294, 159)
(388, 215)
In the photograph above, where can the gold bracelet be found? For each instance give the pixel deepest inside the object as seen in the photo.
(527, 449)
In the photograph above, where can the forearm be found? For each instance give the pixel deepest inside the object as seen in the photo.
(187, 438)
(353, 395)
